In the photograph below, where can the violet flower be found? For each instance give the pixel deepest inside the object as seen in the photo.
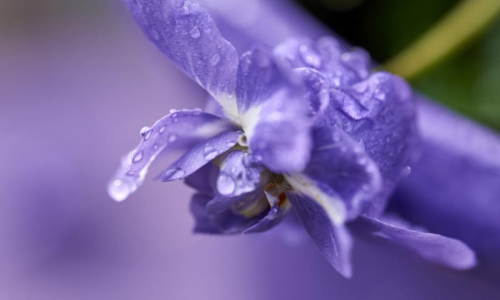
(304, 125)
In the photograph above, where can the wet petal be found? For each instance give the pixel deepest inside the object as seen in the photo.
(274, 112)
(378, 113)
(185, 32)
(317, 89)
(183, 127)
(439, 249)
(258, 78)
(339, 167)
(333, 240)
(239, 174)
(200, 155)
(342, 66)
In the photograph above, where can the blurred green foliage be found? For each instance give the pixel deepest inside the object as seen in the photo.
(468, 82)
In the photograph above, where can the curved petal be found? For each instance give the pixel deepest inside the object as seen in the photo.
(433, 247)
(202, 221)
(273, 113)
(333, 240)
(239, 174)
(280, 205)
(203, 180)
(378, 113)
(229, 215)
(339, 167)
(200, 155)
(183, 127)
(258, 78)
(185, 32)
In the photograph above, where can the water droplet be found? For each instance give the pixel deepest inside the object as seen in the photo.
(225, 184)
(146, 132)
(119, 190)
(406, 171)
(310, 56)
(379, 94)
(173, 110)
(346, 56)
(362, 161)
(155, 147)
(172, 138)
(162, 130)
(137, 156)
(210, 153)
(336, 137)
(231, 143)
(215, 59)
(195, 32)
(172, 174)
(174, 115)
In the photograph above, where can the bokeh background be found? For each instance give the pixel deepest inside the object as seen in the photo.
(77, 82)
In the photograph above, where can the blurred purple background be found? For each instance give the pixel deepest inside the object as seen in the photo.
(77, 82)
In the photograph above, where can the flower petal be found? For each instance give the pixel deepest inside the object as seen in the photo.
(203, 180)
(185, 32)
(202, 221)
(339, 167)
(333, 241)
(258, 78)
(179, 128)
(200, 155)
(378, 113)
(232, 215)
(273, 112)
(439, 249)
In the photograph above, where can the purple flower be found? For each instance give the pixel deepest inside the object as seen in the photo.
(304, 124)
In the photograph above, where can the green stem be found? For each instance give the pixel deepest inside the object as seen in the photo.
(462, 24)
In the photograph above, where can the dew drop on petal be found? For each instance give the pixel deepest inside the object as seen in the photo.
(174, 173)
(195, 32)
(362, 161)
(379, 94)
(210, 153)
(144, 130)
(146, 133)
(225, 184)
(119, 190)
(310, 56)
(162, 130)
(125, 182)
(406, 171)
(137, 157)
(172, 138)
